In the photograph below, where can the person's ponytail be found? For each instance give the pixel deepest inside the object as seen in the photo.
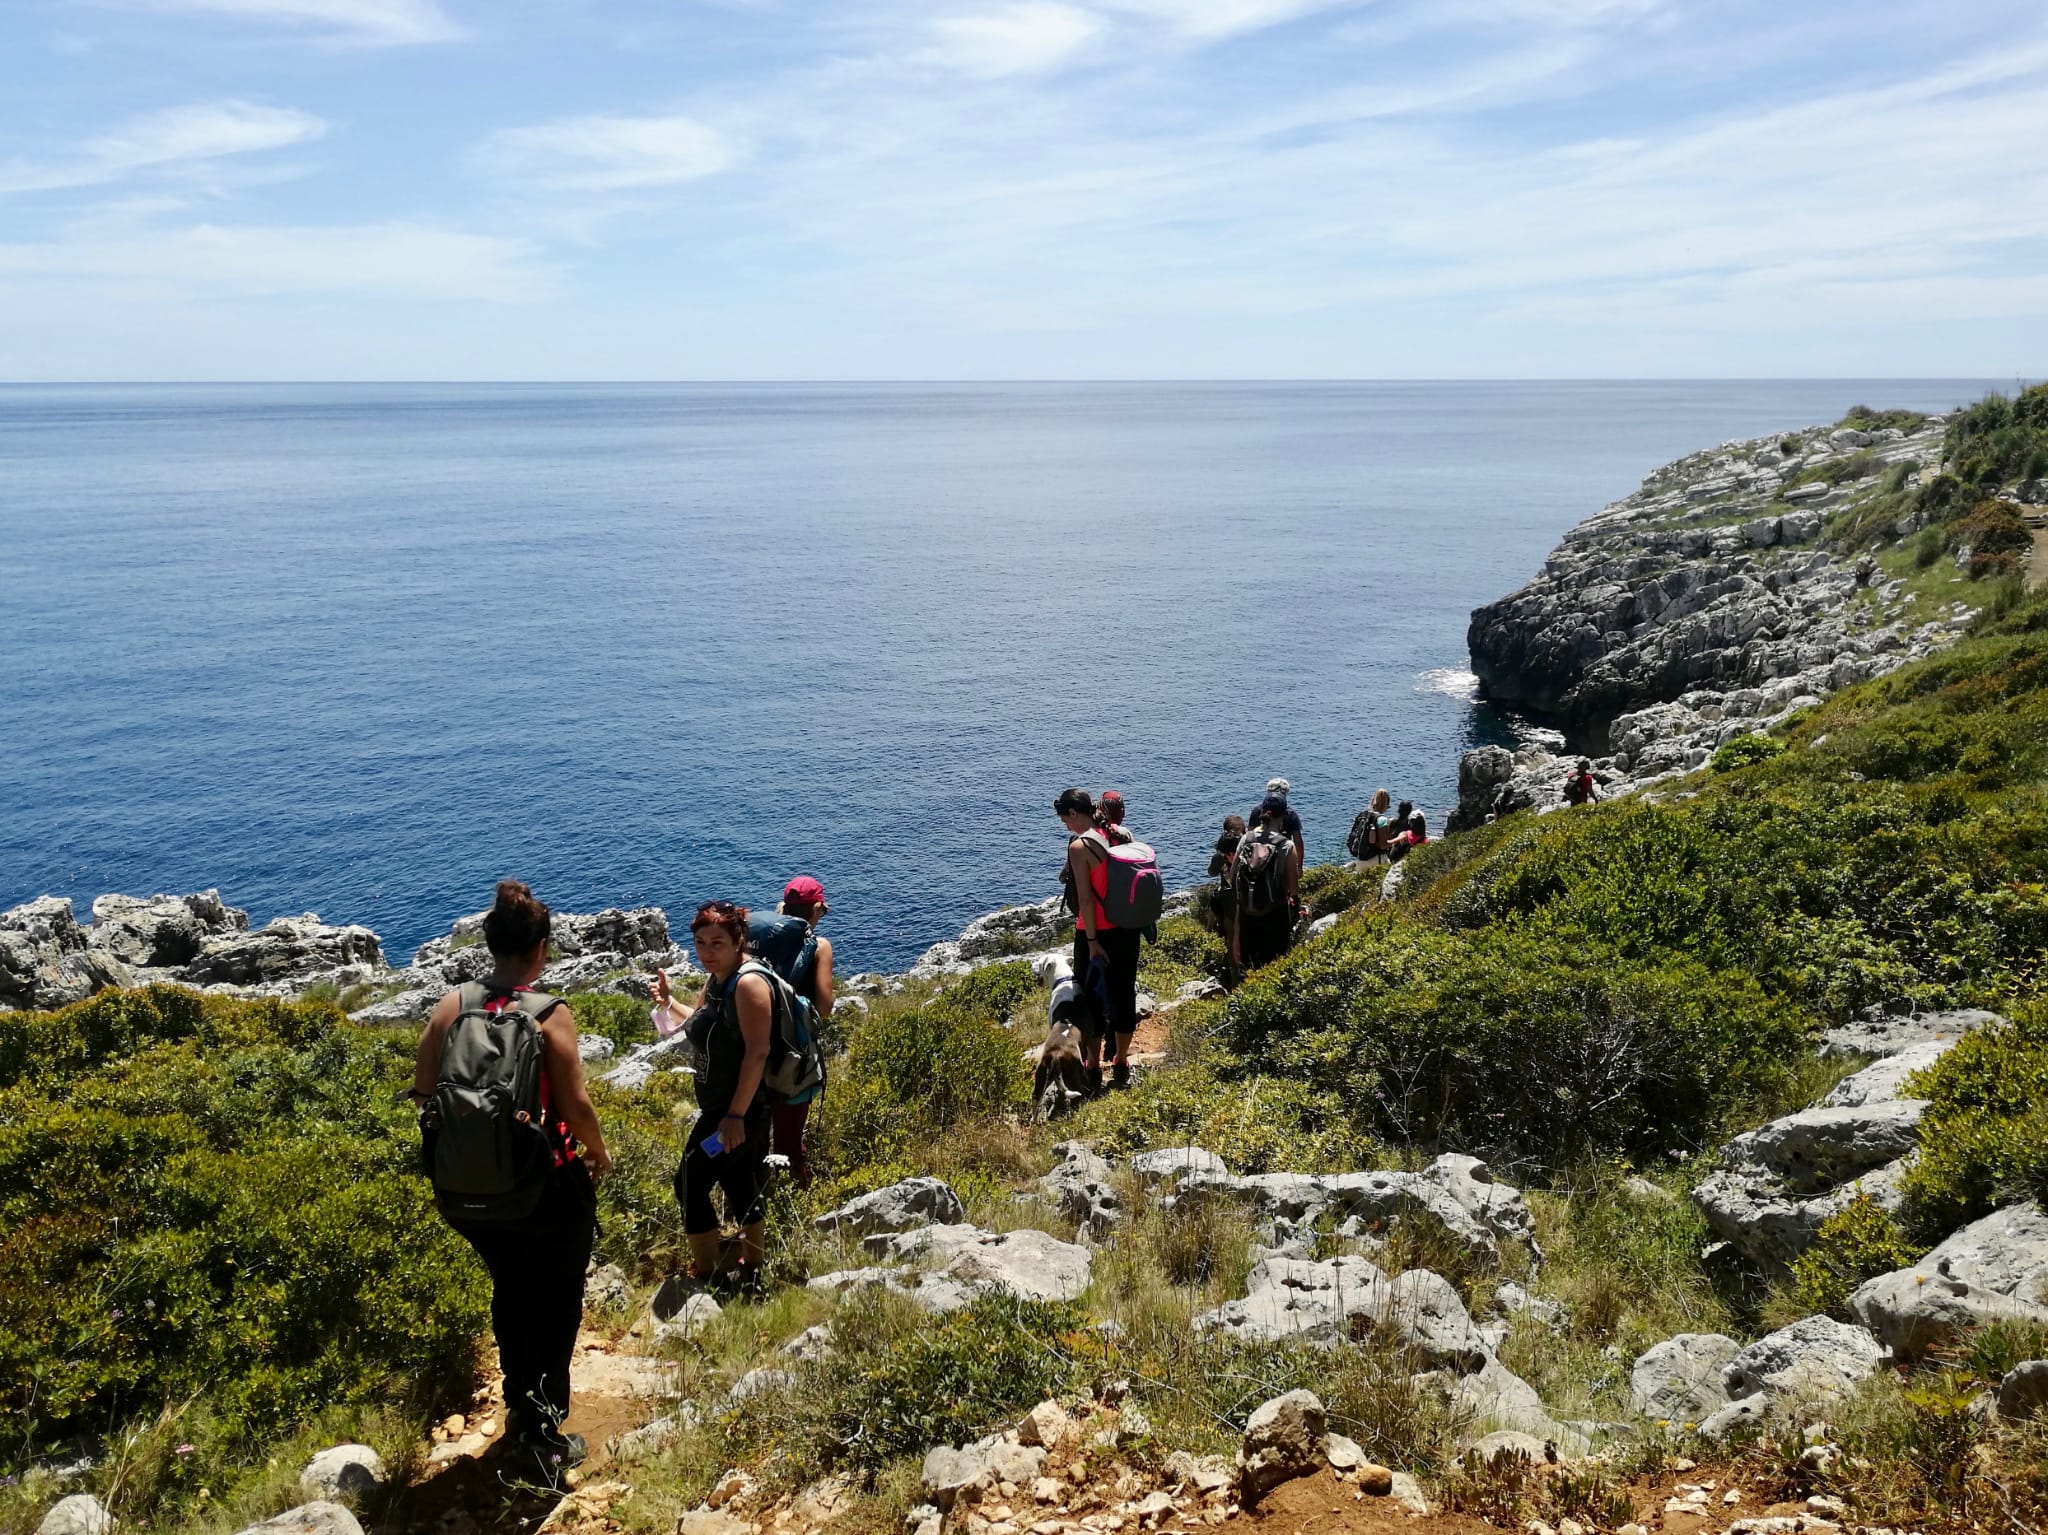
(518, 922)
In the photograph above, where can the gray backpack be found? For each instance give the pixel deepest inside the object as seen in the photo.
(487, 1148)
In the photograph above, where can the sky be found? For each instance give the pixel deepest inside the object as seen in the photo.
(991, 189)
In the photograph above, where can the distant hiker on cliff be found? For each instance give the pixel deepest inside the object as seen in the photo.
(1109, 819)
(1267, 878)
(1411, 837)
(1223, 869)
(1372, 831)
(1115, 892)
(1580, 788)
(789, 943)
(513, 1144)
(1279, 789)
(746, 1012)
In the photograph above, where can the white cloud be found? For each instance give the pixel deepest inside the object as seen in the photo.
(370, 21)
(399, 260)
(1017, 39)
(1224, 18)
(609, 154)
(177, 136)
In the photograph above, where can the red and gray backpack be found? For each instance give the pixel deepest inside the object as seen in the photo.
(488, 1145)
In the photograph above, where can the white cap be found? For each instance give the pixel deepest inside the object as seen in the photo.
(1279, 786)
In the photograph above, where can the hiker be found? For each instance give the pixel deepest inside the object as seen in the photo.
(533, 1229)
(1223, 869)
(790, 944)
(1267, 875)
(730, 1031)
(1580, 788)
(1372, 833)
(1413, 836)
(1279, 789)
(1105, 955)
(1109, 819)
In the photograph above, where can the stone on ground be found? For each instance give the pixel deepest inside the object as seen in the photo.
(1173, 1162)
(345, 1471)
(1045, 1425)
(1028, 1263)
(900, 1207)
(605, 1288)
(316, 1518)
(1080, 1188)
(1680, 1379)
(1815, 1358)
(1348, 1299)
(963, 1475)
(1284, 1438)
(79, 1514)
(1992, 1269)
(2024, 1391)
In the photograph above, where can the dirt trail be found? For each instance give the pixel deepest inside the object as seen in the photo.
(2037, 566)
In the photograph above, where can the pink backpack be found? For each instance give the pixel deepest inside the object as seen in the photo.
(1135, 891)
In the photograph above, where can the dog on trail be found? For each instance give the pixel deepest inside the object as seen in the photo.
(1060, 1082)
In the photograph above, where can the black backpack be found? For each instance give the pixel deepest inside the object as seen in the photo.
(796, 1061)
(486, 1148)
(1361, 843)
(787, 946)
(1263, 859)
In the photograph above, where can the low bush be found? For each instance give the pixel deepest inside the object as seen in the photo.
(1746, 751)
(910, 1074)
(1858, 1242)
(1520, 1043)
(1984, 1135)
(214, 1203)
(625, 1021)
(1330, 888)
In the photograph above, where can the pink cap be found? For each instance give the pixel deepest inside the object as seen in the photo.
(804, 891)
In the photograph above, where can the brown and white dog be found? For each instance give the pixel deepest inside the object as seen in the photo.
(1061, 1080)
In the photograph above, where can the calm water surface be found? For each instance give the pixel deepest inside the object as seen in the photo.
(364, 649)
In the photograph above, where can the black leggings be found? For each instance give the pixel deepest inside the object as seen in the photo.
(1121, 945)
(536, 1267)
(740, 1173)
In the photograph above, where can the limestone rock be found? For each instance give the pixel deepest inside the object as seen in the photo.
(1680, 1380)
(1776, 1185)
(1080, 1188)
(760, 1383)
(1175, 1162)
(1994, 1268)
(1283, 1439)
(1407, 1491)
(594, 1047)
(2024, 1391)
(1883, 1082)
(287, 949)
(1816, 1358)
(162, 931)
(79, 1514)
(951, 1476)
(1888, 1034)
(319, 1517)
(346, 1471)
(1027, 1263)
(900, 1207)
(650, 1438)
(1494, 1399)
(696, 1312)
(1348, 1299)
(1045, 1426)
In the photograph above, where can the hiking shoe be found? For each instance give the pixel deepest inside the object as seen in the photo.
(743, 1283)
(1120, 1075)
(1095, 1081)
(554, 1453)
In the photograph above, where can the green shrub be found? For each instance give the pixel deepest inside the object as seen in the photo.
(899, 1380)
(1184, 944)
(1746, 751)
(910, 1074)
(2000, 440)
(1330, 888)
(210, 1197)
(1515, 1041)
(1858, 1242)
(1984, 1135)
(625, 1021)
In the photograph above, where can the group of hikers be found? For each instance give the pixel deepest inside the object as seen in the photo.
(513, 1143)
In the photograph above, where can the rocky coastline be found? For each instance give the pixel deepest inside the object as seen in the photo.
(1706, 606)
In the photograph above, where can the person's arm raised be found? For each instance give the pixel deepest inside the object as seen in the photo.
(756, 1007)
(566, 1088)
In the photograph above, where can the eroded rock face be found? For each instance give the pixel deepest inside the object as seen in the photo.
(1349, 1300)
(1889, 1034)
(1493, 1401)
(1080, 1188)
(162, 931)
(289, 948)
(1455, 1197)
(1817, 1357)
(899, 1207)
(1027, 1263)
(44, 961)
(1992, 1269)
(1777, 1184)
(1681, 1379)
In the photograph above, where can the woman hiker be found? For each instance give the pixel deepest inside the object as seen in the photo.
(536, 1263)
(729, 1042)
(1105, 956)
(804, 899)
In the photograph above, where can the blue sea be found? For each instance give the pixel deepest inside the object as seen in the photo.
(364, 649)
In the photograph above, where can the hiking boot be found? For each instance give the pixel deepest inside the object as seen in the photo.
(1120, 1075)
(1095, 1081)
(743, 1283)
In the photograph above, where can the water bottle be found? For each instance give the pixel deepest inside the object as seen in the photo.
(712, 1144)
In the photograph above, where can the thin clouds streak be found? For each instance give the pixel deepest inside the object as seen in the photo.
(176, 136)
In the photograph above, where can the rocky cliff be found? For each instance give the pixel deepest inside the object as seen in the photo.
(1706, 606)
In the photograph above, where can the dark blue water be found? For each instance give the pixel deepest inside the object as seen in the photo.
(364, 649)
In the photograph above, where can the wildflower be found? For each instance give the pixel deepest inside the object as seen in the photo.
(183, 1449)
